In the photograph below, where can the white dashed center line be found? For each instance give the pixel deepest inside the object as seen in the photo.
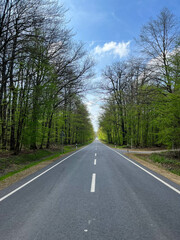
(93, 182)
(94, 161)
(95, 154)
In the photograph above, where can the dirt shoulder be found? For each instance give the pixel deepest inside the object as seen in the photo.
(156, 168)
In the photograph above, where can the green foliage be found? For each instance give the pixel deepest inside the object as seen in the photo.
(150, 113)
(143, 108)
(101, 134)
(44, 72)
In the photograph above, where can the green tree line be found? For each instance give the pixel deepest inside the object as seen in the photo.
(43, 71)
(143, 104)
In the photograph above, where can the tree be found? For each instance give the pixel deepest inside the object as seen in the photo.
(42, 69)
(157, 40)
(146, 92)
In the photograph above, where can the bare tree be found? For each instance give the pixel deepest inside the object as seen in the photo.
(157, 40)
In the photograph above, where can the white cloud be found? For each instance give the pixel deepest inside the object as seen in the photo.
(89, 103)
(121, 49)
(92, 43)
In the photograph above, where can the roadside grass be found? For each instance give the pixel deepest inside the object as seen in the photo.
(15, 164)
(168, 160)
(6, 162)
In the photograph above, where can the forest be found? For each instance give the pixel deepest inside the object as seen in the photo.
(43, 73)
(142, 104)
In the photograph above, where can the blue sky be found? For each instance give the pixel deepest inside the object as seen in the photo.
(108, 28)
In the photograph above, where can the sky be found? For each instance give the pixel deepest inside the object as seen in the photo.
(108, 29)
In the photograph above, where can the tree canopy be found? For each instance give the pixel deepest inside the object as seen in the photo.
(42, 73)
(143, 104)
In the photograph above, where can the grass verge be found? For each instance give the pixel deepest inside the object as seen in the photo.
(15, 164)
(167, 160)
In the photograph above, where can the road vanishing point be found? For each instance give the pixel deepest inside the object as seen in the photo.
(96, 193)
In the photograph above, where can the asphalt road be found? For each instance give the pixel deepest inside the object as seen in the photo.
(95, 194)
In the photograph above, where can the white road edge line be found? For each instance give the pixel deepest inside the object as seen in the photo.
(94, 161)
(157, 178)
(22, 186)
(93, 182)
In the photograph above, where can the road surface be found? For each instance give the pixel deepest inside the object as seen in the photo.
(94, 194)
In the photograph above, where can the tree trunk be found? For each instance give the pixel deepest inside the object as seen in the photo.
(49, 131)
